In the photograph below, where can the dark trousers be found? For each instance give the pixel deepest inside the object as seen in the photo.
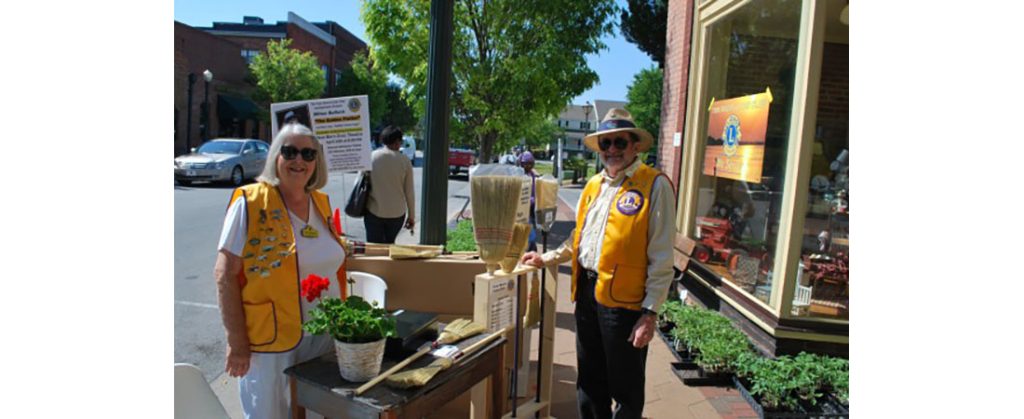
(382, 230)
(610, 368)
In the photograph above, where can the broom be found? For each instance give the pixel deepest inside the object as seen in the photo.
(421, 376)
(494, 200)
(453, 332)
(399, 251)
(547, 193)
(520, 238)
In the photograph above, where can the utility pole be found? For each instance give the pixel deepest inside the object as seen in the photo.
(434, 208)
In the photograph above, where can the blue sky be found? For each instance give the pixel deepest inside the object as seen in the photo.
(615, 65)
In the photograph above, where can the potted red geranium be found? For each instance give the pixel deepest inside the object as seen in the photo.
(359, 329)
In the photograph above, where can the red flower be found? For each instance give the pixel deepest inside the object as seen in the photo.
(313, 285)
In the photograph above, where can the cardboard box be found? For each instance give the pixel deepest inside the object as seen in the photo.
(440, 285)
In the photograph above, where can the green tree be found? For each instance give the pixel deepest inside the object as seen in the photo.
(284, 74)
(644, 97)
(541, 132)
(364, 77)
(512, 61)
(400, 114)
(644, 24)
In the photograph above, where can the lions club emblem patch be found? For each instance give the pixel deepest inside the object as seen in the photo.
(630, 202)
(731, 135)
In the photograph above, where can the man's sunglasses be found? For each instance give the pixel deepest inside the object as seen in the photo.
(290, 152)
(620, 143)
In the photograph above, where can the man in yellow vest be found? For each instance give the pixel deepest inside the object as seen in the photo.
(621, 253)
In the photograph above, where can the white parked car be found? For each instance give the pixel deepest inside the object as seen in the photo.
(409, 148)
(222, 159)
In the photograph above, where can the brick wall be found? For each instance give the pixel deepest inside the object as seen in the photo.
(834, 100)
(676, 76)
(305, 41)
(248, 42)
(194, 52)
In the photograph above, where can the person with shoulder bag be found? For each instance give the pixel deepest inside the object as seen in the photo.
(391, 203)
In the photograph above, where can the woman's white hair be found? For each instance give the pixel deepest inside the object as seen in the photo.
(269, 175)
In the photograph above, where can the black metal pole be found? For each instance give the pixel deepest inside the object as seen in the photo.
(206, 110)
(188, 123)
(516, 351)
(433, 209)
(540, 332)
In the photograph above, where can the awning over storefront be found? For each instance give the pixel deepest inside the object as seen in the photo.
(230, 107)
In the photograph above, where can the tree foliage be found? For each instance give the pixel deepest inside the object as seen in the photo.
(364, 77)
(400, 114)
(644, 24)
(513, 62)
(644, 97)
(284, 74)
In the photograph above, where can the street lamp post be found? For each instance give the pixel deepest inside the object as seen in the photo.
(188, 113)
(205, 126)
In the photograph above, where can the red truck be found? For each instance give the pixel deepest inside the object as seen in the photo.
(460, 159)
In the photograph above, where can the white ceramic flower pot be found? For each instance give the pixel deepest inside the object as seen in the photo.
(359, 362)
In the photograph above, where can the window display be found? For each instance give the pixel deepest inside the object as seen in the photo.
(823, 281)
(746, 126)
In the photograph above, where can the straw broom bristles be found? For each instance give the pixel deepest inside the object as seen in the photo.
(457, 330)
(516, 247)
(494, 200)
(547, 193)
(418, 376)
(398, 251)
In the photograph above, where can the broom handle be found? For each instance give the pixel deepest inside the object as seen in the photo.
(483, 342)
(392, 370)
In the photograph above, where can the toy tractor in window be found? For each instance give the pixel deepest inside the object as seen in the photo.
(716, 243)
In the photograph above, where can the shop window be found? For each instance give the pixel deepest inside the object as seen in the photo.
(249, 54)
(824, 274)
(746, 124)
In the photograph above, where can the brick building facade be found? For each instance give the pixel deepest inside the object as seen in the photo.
(226, 49)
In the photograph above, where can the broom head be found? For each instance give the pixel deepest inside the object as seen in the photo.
(520, 238)
(495, 200)
(419, 376)
(457, 330)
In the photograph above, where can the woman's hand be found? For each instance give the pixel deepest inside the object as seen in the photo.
(410, 223)
(237, 362)
(532, 259)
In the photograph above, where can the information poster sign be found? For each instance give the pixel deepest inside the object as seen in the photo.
(342, 124)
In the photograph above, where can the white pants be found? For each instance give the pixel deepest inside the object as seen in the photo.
(264, 389)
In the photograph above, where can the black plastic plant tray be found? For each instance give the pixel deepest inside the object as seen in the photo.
(827, 407)
(691, 376)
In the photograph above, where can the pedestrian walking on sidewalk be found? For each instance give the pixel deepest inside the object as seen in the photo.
(392, 202)
(275, 233)
(621, 253)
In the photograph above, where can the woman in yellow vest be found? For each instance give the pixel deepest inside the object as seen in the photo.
(621, 256)
(276, 232)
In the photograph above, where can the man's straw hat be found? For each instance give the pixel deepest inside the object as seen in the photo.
(619, 120)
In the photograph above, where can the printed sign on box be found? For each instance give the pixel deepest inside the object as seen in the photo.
(342, 124)
(736, 135)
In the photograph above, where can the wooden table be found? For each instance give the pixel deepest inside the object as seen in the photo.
(317, 385)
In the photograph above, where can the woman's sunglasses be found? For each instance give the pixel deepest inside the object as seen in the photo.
(620, 143)
(289, 153)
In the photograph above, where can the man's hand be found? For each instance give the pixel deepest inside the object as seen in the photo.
(643, 331)
(237, 362)
(532, 259)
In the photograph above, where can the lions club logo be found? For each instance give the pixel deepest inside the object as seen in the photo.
(630, 202)
(731, 135)
(353, 105)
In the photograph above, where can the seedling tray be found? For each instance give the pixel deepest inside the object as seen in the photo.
(692, 376)
(827, 407)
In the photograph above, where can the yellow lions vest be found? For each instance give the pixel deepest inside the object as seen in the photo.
(622, 265)
(269, 279)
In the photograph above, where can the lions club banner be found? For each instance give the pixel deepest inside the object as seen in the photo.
(735, 139)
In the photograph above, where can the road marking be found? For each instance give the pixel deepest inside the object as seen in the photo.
(203, 305)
